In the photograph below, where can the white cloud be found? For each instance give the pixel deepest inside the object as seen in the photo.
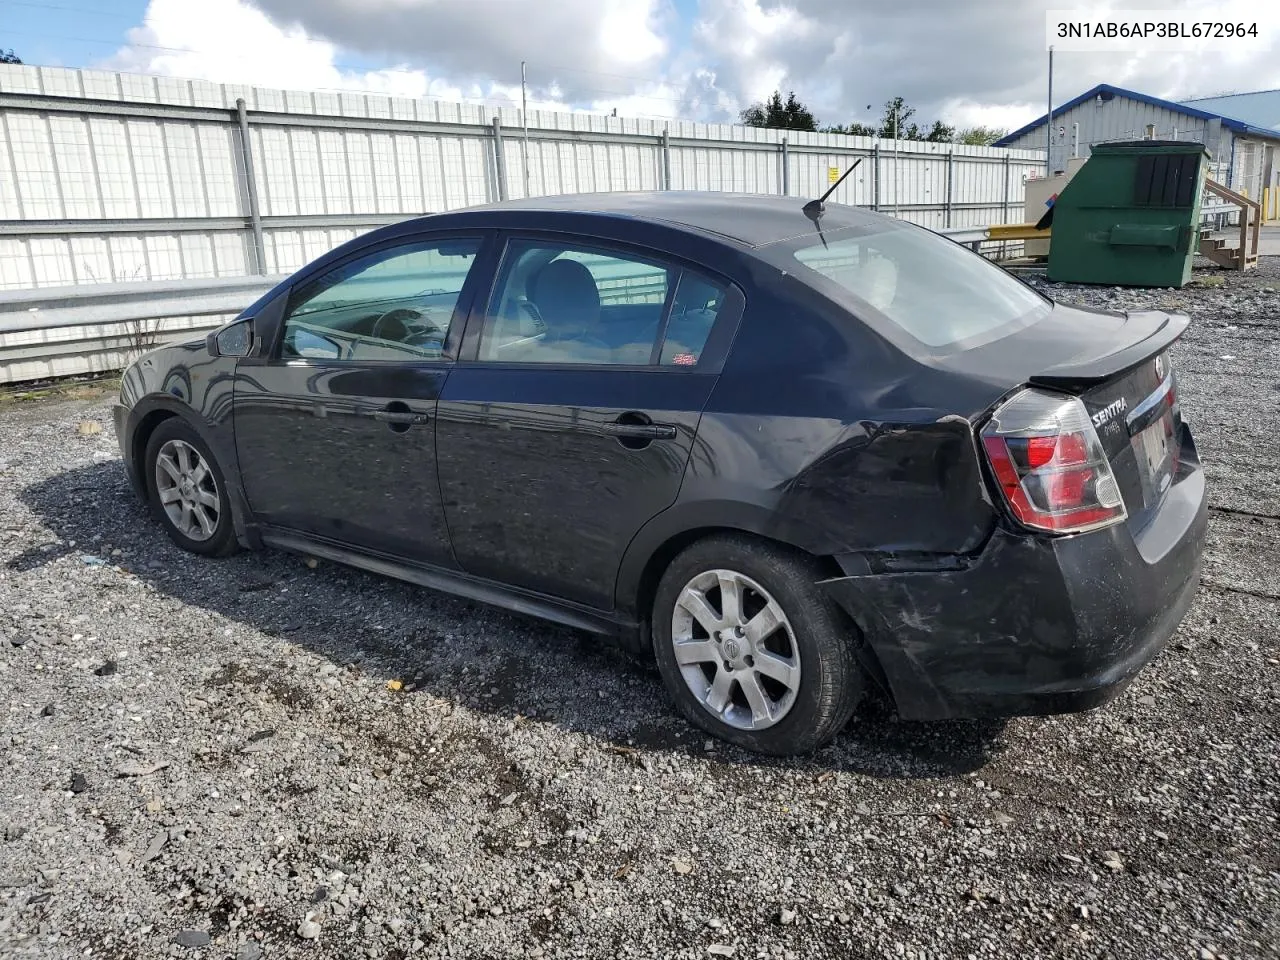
(979, 62)
(228, 41)
(232, 41)
(964, 113)
(578, 44)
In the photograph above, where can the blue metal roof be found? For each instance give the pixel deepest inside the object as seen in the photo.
(1230, 123)
(1260, 108)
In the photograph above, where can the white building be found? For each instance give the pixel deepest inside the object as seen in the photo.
(1240, 132)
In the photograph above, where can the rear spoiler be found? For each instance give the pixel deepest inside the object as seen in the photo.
(1146, 333)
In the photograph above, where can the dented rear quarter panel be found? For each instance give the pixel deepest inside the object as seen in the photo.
(838, 439)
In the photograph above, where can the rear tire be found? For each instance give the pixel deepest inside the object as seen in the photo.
(186, 490)
(752, 650)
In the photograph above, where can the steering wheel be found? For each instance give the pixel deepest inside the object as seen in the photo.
(399, 326)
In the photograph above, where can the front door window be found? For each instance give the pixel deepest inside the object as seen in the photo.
(395, 304)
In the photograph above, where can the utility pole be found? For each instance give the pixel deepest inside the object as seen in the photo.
(1048, 139)
(524, 118)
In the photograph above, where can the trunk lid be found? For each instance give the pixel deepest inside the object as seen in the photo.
(1136, 415)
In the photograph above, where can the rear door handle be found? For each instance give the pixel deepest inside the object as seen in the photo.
(642, 431)
(400, 416)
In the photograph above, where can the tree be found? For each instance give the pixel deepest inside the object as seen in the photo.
(8, 56)
(940, 133)
(852, 129)
(778, 114)
(980, 136)
(897, 122)
(894, 125)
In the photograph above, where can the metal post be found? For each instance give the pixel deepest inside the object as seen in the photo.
(896, 176)
(524, 119)
(666, 156)
(1004, 201)
(251, 190)
(1075, 140)
(499, 155)
(951, 176)
(786, 169)
(875, 175)
(1048, 138)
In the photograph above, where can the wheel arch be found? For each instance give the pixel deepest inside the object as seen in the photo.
(140, 436)
(646, 561)
(148, 414)
(672, 531)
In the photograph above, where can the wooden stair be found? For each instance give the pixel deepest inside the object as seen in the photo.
(1244, 256)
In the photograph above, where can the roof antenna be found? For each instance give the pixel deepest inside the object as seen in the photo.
(815, 208)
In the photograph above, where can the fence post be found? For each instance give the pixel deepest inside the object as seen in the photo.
(951, 179)
(666, 156)
(251, 190)
(875, 176)
(500, 159)
(786, 169)
(1004, 201)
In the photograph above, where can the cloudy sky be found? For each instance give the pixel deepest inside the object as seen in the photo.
(965, 61)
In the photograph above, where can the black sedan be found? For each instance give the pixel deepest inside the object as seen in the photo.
(790, 451)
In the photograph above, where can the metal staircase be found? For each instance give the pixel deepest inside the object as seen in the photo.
(1245, 255)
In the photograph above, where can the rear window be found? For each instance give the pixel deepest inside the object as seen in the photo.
(936, 291)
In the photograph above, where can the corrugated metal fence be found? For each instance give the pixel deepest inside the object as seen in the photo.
(108, 177)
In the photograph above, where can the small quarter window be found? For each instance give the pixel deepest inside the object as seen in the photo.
(693, 312)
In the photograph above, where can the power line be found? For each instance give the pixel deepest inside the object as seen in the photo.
(489, 99)
(223, 54)
(665, 82)
(51, 6)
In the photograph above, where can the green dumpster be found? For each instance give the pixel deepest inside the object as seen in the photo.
(1130, 216)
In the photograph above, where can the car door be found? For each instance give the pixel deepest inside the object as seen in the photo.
(335, 425)
(570, 416)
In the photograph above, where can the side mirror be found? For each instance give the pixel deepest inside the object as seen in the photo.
(235, 340)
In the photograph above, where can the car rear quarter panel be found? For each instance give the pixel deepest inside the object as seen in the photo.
(822, 435)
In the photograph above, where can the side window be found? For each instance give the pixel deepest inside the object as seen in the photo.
(569, 304)
(693, 311)
(395, 304)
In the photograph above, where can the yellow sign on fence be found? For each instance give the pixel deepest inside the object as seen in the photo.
(833, 174)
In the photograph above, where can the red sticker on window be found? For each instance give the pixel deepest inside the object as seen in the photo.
(684, 359)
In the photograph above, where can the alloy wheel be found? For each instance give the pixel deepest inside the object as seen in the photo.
(187, 490)
(736, 649)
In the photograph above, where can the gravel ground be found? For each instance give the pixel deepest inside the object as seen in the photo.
(209, 758)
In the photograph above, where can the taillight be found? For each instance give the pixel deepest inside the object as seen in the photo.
(1049, 464)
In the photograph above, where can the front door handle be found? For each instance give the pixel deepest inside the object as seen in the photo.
(642, 431)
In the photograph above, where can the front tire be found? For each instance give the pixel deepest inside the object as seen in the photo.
(187, 492)
(752, 650)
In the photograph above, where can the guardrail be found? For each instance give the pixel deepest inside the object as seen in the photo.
(50, 332)
(96, 328)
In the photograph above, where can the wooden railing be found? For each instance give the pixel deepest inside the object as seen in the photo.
(1250, 224)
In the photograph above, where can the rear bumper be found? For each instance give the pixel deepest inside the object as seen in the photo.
(1035, 625)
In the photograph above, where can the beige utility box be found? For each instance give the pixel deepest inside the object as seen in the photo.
(1038, 191)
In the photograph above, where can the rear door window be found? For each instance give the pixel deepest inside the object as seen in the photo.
(936, 291)
(570, 304)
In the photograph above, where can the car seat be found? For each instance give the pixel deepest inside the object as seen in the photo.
(568, 302)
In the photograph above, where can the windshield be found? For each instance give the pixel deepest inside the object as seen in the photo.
(938, 292)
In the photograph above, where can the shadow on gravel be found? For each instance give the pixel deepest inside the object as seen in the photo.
(450, 648)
